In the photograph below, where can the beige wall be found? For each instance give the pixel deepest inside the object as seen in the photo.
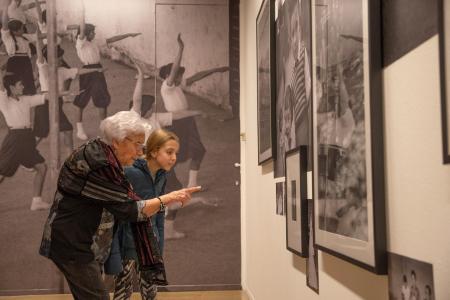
(417, 187)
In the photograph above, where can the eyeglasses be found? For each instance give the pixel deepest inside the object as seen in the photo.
(138, 145)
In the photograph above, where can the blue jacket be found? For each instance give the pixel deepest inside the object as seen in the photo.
(146, 188)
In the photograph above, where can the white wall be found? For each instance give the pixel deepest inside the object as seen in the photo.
(417, 187)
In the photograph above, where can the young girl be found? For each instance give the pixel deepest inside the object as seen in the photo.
(17, 45)
(92, 85)
(65, 74)
(19, 145)
(148, 179)
(186, 128)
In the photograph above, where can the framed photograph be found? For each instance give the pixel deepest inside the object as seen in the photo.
(280, 188)
(265, 55)
(312, 263)
(444, 48)
(293, 78)
(347, 133)
(409, 278)
(296, 202)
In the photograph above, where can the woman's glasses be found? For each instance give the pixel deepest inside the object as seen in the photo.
(138, 145)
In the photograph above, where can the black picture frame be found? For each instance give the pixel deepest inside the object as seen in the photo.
(293, 45)
(265, 61)
(312, 262)
(296, 201)
(444, 43)
(349, 195)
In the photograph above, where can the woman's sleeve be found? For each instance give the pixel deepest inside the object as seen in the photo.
(104, 187)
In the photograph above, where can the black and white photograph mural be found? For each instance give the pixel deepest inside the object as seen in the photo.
(348, 184)
(293, 63)
(168, 61)
(409, 279)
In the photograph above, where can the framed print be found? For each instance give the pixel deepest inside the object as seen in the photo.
(293, 78)
(296, 202)
(348, 133)
(265, 48)
(280, 189)
(444, 48)
(409, 278)
(312, 262)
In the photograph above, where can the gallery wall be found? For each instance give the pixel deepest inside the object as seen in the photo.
(417, 186)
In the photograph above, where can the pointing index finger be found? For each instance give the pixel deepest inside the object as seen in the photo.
(193, 189)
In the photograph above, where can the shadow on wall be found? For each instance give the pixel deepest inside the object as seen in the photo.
(354, 278)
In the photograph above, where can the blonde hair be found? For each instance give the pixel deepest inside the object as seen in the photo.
(157, 139)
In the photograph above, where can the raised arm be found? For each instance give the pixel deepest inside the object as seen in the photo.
(137, 94)
(82, 22)
(40, 57)
(2, 74)
(5, 18)
(119, 37)
(177, 62)
(202, 74)
(38, 10)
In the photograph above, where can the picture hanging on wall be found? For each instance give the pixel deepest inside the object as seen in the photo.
(410, 278)
(293, 78)
(265, 48)
(312, 263)
(444, 48)
(296, 202)
(348, 133)
(280, 189)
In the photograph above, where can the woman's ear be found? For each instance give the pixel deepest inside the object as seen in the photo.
(114, 143)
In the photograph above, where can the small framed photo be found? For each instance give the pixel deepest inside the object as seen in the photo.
(296, 202)
(409, 278)
(280, 188)
(444, 56)
(265, 55)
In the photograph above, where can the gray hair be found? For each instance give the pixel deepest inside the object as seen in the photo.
(122, 124)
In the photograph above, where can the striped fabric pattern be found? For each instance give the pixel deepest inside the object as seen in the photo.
(298, 87)
(123, 283)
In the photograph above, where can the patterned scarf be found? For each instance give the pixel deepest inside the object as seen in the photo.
(151, 264)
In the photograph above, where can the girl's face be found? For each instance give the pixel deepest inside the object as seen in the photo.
(91, 35)
(17, 89)
(166, 156)
(19, 32)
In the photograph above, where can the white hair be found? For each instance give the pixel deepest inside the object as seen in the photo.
(122, 124)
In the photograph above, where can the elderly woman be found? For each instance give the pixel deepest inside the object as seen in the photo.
(92, 192)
